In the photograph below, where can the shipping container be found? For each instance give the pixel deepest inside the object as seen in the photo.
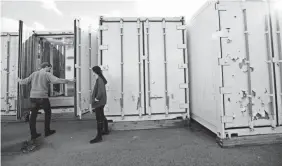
(21, 54)
(9, 73)
(13, 67)
(145, 63)
(47, 47)
(235, 68)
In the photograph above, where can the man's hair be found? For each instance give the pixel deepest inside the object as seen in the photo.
(45, 64)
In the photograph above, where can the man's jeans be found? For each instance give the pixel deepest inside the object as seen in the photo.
(37, 103)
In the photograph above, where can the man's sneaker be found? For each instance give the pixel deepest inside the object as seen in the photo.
(50, 132)
(36, 136)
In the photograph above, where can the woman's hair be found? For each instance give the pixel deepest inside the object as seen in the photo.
(98, 71)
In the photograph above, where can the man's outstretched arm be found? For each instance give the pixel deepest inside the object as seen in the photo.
(26, 80)
(55, 80)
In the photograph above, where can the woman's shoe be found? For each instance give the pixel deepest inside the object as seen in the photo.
(96, 140)
(99, 133)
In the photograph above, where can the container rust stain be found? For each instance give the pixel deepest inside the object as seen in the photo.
(243, 66)
(260, 111)
(235, 59)
(262, 115)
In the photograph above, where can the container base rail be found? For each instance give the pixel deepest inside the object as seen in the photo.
(250, 140)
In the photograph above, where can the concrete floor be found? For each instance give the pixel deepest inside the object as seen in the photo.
(158, 147)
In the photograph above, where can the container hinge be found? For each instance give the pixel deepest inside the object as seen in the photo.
(278, 61)
(181, 46)
(227, 119)
(181, 27)
(103, 27)
(182, 66)
(270, 94)
(220, 7)
(138, 24)
(183, 86)
(164, 24)
(224, 90)
(223, 62)
(104, 67)
(183, 105)
(220, 34)
(77, 66)
(274, 60)
(147, 25)
(144, 57)
(121, 24)
(103, 47)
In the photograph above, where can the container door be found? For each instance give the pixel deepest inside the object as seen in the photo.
(20, 89)
(77, 65)
(277, 44)
(25, 67)
(85, 40)
(166, 68)
(120, 56)
(9, 73)
(81, 53)
(248, 80)
(92, 60)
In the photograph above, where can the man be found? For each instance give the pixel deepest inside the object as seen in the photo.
(40, 81)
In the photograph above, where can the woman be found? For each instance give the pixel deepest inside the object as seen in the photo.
(99, 100)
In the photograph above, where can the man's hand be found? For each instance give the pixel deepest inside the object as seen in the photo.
(70, 81)
(19, 80)
(96, 99)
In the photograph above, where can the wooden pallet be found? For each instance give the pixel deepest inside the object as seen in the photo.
(250, 140)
